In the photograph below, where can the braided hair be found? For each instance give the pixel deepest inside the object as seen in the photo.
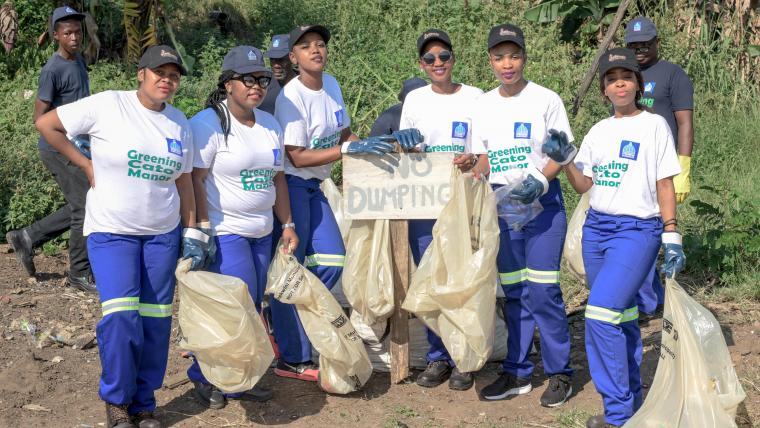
(214, 102)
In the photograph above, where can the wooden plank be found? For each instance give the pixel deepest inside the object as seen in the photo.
(400, 318)
(396, 186)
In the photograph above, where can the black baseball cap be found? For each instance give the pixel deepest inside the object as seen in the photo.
(65, 12)
(617, 58)
(640, 29)
(409, 85)
(299, 31)
(506, 33)
(430, 35)
(156, 56)
(244, 60)
(280, 46)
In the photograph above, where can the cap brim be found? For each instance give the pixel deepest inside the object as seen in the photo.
(78, 16)
(277, 53)
(637, 38)
(252, 69)
(507, 39)
(182, 69)
(434, 39)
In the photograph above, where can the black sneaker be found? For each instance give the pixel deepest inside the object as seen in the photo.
(557, 392)
(209, 395)
(83, 283)
(506, 385)
(598, 422)
(461, 381)
(435, 374)
(22, 247)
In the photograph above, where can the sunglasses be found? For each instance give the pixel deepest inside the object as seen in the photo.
(249, 80)
(429, 58)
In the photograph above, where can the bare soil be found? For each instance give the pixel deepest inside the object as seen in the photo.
(53, 383)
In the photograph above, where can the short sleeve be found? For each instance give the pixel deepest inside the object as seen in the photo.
(292, 121)
(205, 142)
(479, 142)
(81, 116)
(46, 88)
(277, 135)
(583, 159)
(188, 136)
(682, 95)
(339, 95)
(406, 120)
(556, 117)
(667, 159)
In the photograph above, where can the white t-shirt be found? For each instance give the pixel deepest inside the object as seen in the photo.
(240, 188)
(513, 129)
(443, 119)
(137, 154)
(625, 157)
(311, 119)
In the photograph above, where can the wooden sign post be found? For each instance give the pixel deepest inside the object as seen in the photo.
(397, 187)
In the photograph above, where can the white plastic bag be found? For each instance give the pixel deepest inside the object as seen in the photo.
(368, 272)
(221, 327)
(695, 384)
(335, 199)
(343, 362)
(573, 251)
(515, 213)
(453, 290)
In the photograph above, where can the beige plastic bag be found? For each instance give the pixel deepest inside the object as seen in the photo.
(695, 384)
(453, 290)
(343, 362)
(221, 327)
(335, 199)
(573, 251)
(368, 271)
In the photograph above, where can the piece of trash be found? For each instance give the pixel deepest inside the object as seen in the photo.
(57, 359)
(28, 327)
(35, 408)
(17, 291)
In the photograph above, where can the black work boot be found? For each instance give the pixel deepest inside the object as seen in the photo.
(598, 421)
(83, 283)
(209, 395)
(461, 381)
(118, 417)
(22, 247)
(147, 420)
(435, 374)
(557, 392)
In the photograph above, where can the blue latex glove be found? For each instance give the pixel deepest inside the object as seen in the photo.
(527, 192)
(674, 259)
(408, 138)
(205, 227)
(371, 146)
(82, 143)
(558, 148)
(195, 247)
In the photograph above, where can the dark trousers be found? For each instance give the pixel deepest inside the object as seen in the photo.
(74, 185)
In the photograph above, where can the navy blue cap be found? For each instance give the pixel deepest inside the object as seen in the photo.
(244, 60)
(430, 35)
(409, 85)
(640, 29)
(280, 46)
(618, 58)
(299, 31)
(156, 56)
(66, 12)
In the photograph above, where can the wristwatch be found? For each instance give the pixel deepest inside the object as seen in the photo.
(288, 226)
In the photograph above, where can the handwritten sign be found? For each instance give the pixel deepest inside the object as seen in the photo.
(396, 186)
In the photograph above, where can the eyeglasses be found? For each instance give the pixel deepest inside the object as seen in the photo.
(249, 80)
(429, 58)
(640, 48)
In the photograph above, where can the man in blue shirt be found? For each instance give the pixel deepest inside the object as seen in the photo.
(282, 70)
(63, 80)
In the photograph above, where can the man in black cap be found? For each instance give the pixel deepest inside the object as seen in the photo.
(63, 80)
(282, 70)
(388, 121)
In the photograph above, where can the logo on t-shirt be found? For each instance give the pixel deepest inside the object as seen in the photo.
(649, 87)
(522, 130)
(629, 150)
(174, 146)
(458, 129)
(339, 117)
(277, 157)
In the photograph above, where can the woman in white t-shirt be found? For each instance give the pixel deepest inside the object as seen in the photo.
(627, 162)
(141, 187)
(441, 112)
(510, 124)
(316, 132)
(238, 179)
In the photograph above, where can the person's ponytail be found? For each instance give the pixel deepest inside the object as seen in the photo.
(215, 102)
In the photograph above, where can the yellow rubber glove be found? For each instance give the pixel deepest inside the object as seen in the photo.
(682, 182)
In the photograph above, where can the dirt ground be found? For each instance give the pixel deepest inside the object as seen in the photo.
(54, 383)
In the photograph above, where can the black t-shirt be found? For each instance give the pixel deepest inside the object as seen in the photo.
(387, 122)
(62, 82)
(273, 90)
(667, 89)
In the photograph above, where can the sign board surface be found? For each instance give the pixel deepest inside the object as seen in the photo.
(396, 186)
